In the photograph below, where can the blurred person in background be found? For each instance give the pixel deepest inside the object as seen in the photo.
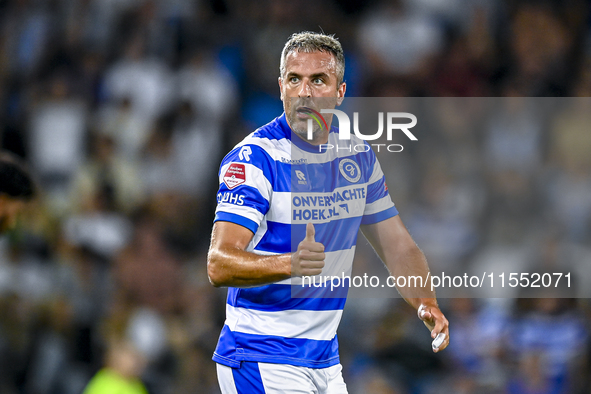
(143, 79)
(56, 136)
(123, 367)
(128, 129)
(105, 171)
(16, 188)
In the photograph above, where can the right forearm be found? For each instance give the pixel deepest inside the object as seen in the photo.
(234, 267)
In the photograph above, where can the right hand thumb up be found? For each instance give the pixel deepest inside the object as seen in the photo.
(308, 260)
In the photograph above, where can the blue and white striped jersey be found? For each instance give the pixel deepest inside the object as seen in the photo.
(273, 185)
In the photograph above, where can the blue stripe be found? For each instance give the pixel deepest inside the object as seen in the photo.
(320, 177)
(380, 216)
(274, 297)
(335, 236)
(234, 347)
(376, 190)
(251, 197)
(248, 379)
(241, 220)
(277, 129)
(275, 239)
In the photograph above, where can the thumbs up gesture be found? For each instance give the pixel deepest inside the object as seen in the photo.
(308, 260)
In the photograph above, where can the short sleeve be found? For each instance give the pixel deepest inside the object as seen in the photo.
(245, 187)
(378, 205)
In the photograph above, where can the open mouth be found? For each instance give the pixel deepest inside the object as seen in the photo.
(303, 112)
(307, 113)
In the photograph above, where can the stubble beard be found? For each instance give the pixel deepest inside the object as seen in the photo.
(300, 128)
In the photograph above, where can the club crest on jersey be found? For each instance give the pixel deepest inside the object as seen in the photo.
(350, 170)
(235, 175)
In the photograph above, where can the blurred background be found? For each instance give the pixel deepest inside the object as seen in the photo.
(124, 108)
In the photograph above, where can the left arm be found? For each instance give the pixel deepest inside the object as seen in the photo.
(402, 257)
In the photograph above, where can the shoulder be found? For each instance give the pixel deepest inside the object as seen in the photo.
(263, 149)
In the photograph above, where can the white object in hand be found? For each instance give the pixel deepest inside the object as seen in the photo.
(438, 341)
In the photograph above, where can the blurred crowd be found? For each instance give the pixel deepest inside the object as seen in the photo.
(124, 108)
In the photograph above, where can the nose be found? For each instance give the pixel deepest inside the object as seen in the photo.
(305, 90)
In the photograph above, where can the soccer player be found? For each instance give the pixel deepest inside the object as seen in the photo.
(16, 189)
(273, 342)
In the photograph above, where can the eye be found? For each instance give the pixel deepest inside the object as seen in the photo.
(318, 81)
(294, 79)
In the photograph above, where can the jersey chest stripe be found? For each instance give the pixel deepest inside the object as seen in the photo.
(303, 324)
(264, 348)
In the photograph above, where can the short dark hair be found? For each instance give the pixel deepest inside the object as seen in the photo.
(308, 41)
(15, 180)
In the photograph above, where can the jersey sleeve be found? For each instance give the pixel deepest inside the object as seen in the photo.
(379, 205)
(245, 187)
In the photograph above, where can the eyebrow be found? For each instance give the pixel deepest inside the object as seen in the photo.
(317, 75)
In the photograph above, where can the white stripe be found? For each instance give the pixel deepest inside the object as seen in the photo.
(322, 154)
(226, 379)
(274, 148)
(279, 213)
(263, 252)
(291, 379)
(339, 262)
(283, 150)
(379, 205)
(254, 177)
(278, 210)
(342, 209)
(376, 174)
(317, 325)
(247, 212)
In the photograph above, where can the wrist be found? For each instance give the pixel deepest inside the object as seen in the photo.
(286, 262)
(427, 302)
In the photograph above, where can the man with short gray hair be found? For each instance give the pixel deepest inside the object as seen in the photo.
(308, 42)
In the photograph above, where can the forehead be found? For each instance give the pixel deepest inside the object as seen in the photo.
(310, 63)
